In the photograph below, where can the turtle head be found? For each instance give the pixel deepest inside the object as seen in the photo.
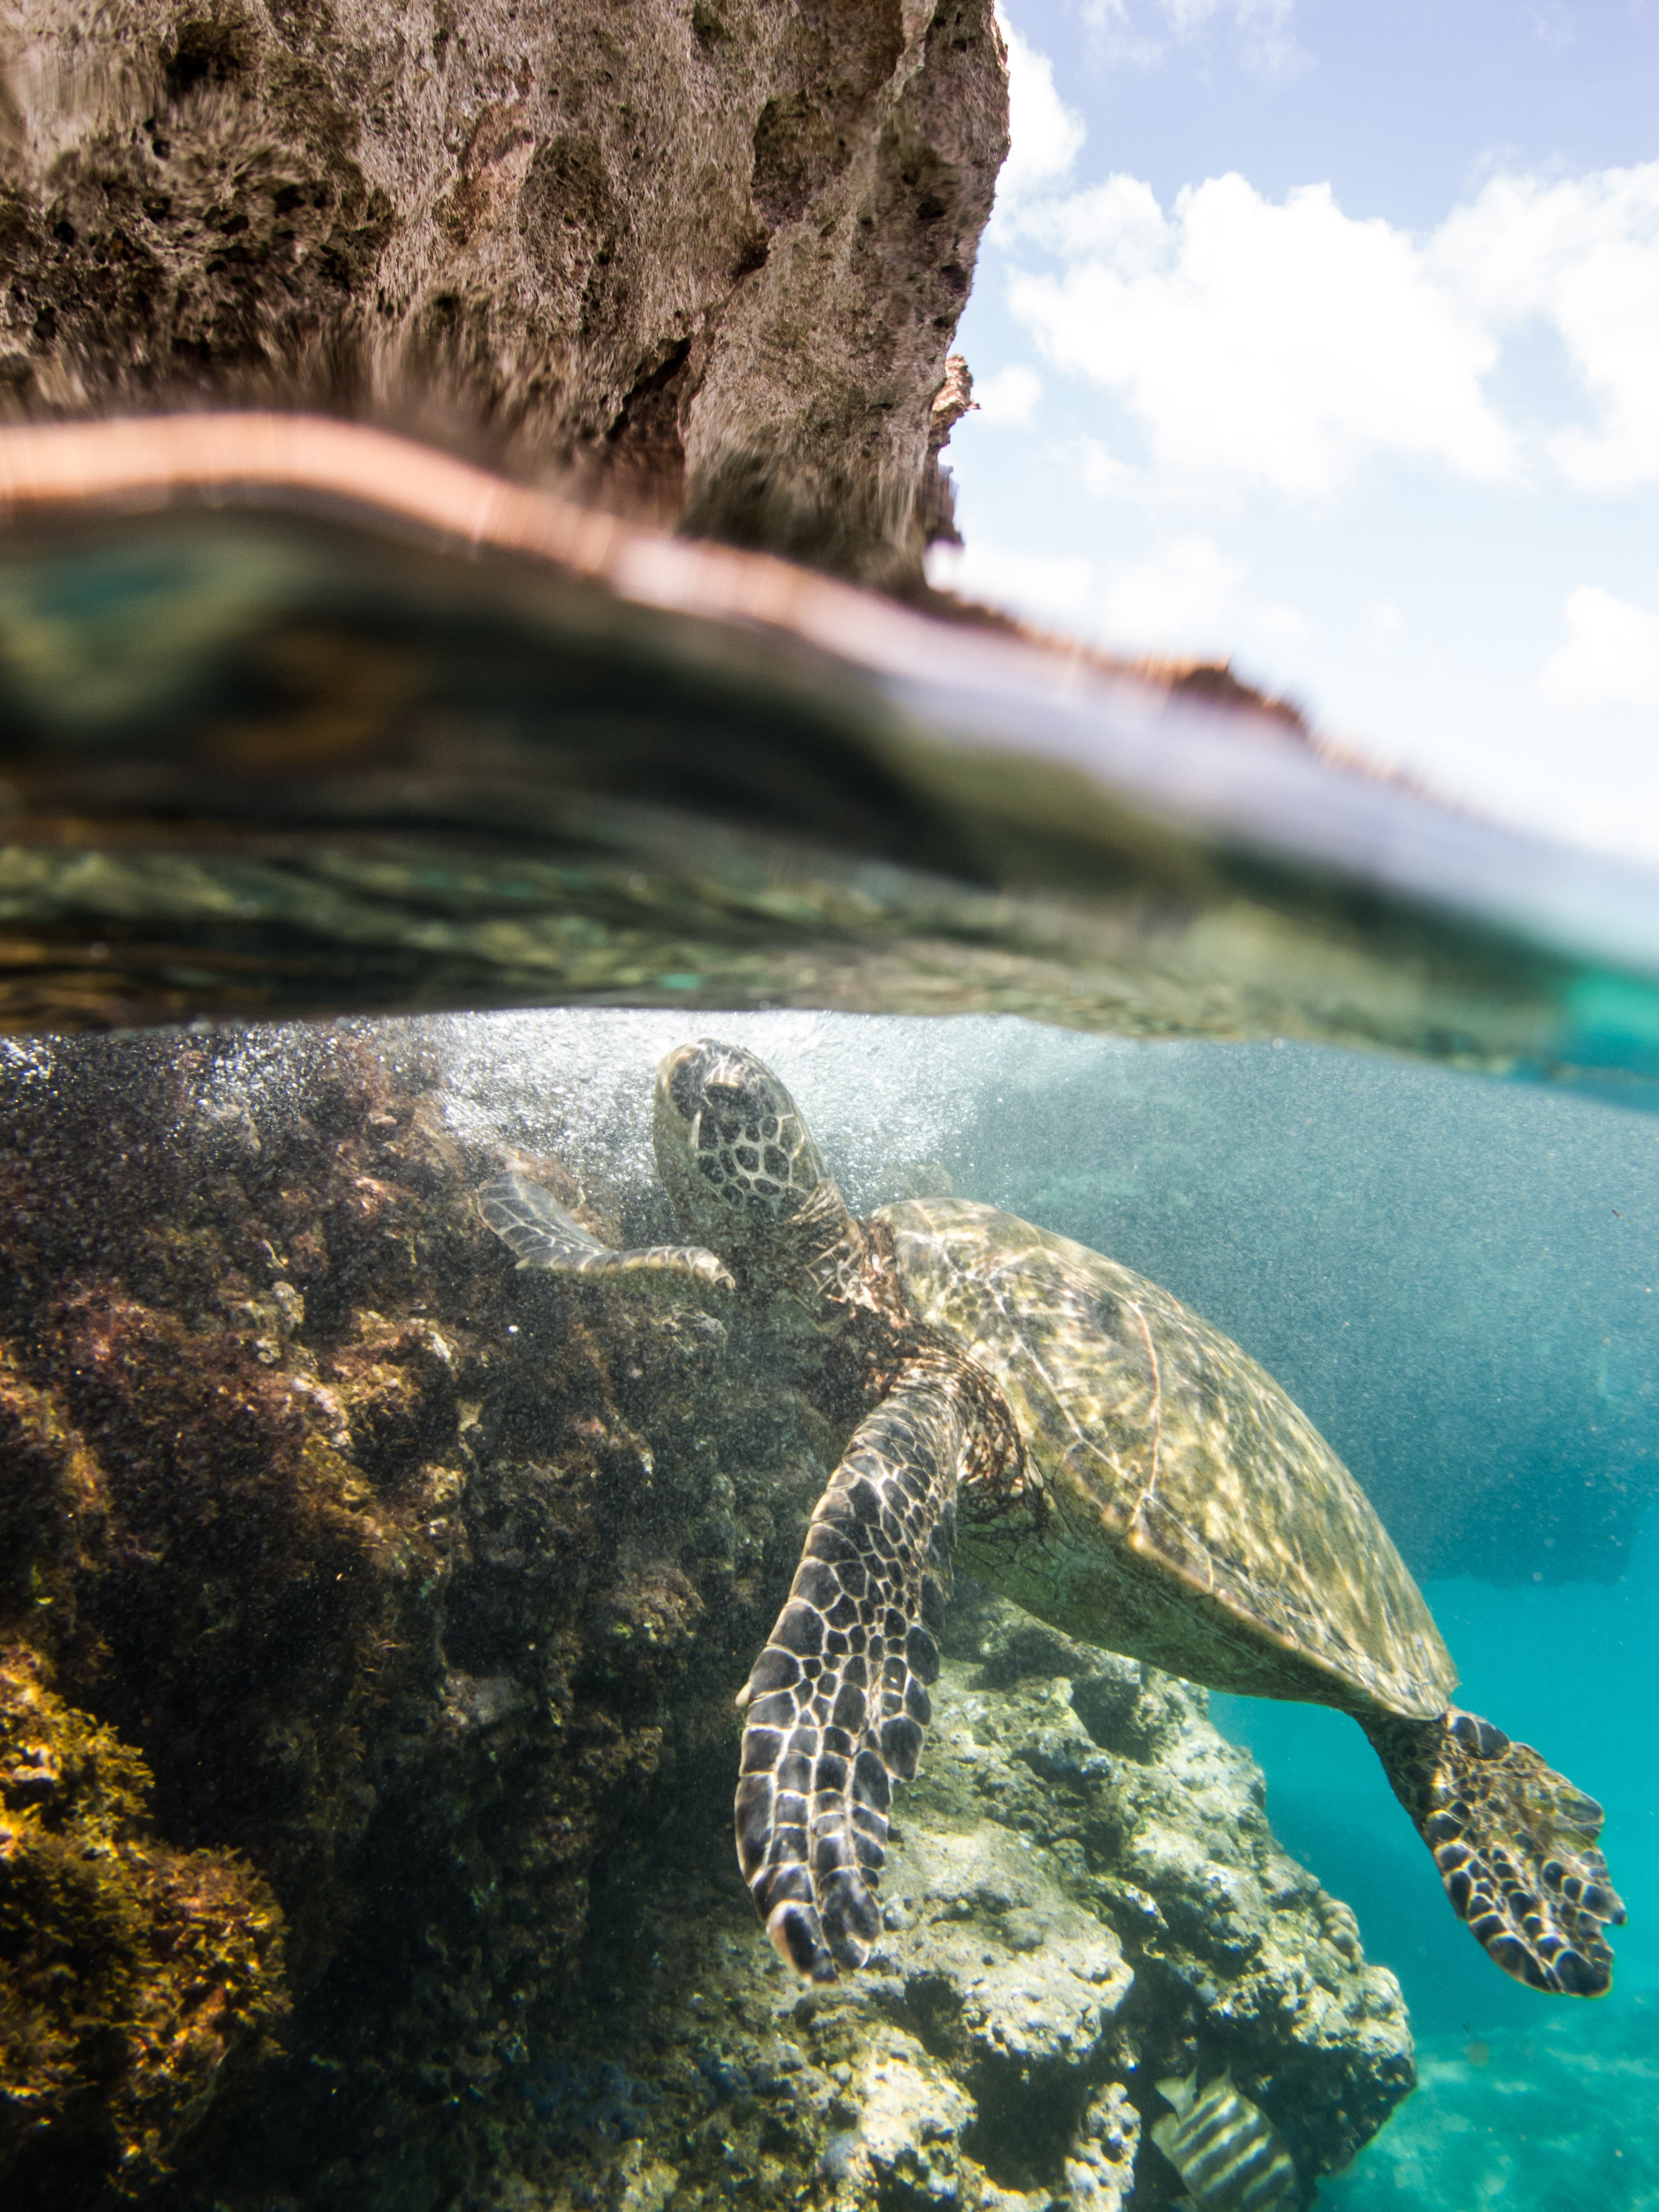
(738, 1160)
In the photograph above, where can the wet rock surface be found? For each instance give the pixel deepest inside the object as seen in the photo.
(1038, 1975)
(374, 1615)
(707, 259)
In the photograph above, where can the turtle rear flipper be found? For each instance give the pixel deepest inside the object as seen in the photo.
(1516, 1844)
(838, 1700)
(532, 1224)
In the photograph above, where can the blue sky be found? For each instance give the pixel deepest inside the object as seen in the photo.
(1324, 335)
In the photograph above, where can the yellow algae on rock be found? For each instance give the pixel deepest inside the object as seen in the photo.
(130, 1972)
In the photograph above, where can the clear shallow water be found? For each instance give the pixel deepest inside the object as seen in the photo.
(1566, 1669)
(1456, 1278)
(1452, 1278)
(1520, 2105)
(1549, 2116)
(905, 817)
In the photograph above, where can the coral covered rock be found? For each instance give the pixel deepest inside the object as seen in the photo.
(1001, 2048)
(1158, 1826)
(130, 1971)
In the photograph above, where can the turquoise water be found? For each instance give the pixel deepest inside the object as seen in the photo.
(1559, 2108)
(1567, 1670)
(1453, 1276)
(1457, 1280)
(1556, 2116)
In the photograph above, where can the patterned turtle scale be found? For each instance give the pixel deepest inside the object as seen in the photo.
(1186, 1500)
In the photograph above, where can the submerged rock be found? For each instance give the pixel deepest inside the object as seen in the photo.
(1157, 1825)
(1038, 1975)
(134, 1977)
(400, 1603)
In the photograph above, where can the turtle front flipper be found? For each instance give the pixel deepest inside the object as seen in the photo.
(838, 1700)
(531, 1223)
(1516, 1844)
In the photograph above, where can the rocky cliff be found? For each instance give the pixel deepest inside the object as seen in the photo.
(701, 257)
(372, 1616)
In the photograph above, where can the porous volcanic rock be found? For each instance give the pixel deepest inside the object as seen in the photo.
(1068, 1921)
(373, 1615)
(706, 255)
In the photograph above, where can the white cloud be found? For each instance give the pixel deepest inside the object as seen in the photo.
(1008, 395)
(1384, 618)
(1118, 35)
(1056, 588)
(1259, 343)
(1187, 595)
(1102, 473)
(1046, 136)
(1581, 253)
(1553, 26)
(1611, 658)
(1266, 43)
(1190, 596)
(1283, 344)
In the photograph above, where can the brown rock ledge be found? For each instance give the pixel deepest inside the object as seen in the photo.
(702, 259)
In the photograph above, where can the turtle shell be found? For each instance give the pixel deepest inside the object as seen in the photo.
(1186, 1511)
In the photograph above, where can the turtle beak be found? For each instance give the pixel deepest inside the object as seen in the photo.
(732, 1148)
(688, 1076)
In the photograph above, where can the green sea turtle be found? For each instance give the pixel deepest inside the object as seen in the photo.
(1097, 1453)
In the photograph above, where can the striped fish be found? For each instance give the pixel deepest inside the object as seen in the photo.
(1226, 2150)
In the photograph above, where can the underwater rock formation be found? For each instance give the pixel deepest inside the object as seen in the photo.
(1067, 1922)
(375, 1615)
(705, 259)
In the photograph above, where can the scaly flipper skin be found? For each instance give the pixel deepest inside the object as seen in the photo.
(532, 1224)
(1516, 1844)
(837, 1701)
